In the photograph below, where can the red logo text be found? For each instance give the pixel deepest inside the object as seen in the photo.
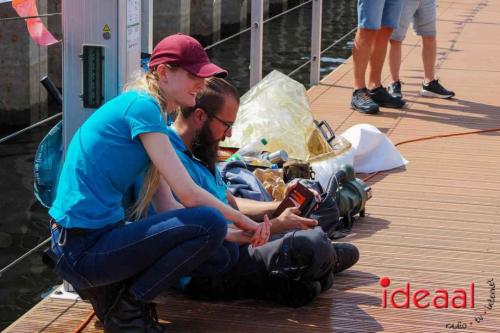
(424, 298)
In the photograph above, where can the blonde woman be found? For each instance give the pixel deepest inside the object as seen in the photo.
(94, 244)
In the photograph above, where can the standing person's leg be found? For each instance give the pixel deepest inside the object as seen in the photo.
(390, 21)
(369, 18)
(395, 50)
(424, 25)
(429, 47)
(396, 41)
(361, 51)
(377, 58)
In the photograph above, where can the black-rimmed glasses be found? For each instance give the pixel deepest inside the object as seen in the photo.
(223, 122)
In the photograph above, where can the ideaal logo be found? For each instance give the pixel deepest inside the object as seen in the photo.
(441, 298)
(460, 298)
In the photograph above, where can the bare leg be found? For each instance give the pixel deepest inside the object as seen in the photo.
(361, 55)
(429, 47)
(378, 57)
(395, 59)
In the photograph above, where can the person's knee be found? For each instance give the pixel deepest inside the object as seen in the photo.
(311, 247)
(429, 39)
(315, 239)
(214, 222)
(365, 35)
(386, 32)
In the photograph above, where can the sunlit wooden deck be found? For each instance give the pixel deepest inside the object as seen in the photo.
(434, 224)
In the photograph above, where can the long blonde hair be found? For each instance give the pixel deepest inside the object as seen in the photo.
(210, 99)
(147, 83)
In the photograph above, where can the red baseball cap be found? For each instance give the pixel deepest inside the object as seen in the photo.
(187, 53)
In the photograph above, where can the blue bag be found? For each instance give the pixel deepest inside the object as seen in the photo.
(47, 165)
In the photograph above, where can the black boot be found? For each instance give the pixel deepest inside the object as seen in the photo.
(129, 315)
(101, 298)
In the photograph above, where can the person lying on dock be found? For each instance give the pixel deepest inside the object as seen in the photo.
(94, 248)
(259, 272)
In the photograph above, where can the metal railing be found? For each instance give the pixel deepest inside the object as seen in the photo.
(256, 45)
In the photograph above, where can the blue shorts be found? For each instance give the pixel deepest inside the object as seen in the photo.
(373, 14)
(423, 15)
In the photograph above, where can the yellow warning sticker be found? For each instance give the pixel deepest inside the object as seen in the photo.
(106, 28)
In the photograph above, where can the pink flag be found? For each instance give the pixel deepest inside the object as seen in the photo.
(36, 28)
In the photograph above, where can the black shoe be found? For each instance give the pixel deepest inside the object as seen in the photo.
(347, 256)
(384, 99)
(129, 315)
(435, 89)
(394, 89)
(362, 102)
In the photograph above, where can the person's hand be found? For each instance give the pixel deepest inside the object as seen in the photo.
(261, 236)
(290, 219)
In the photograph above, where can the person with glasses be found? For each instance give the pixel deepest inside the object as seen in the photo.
(195, 136)
(120, 261)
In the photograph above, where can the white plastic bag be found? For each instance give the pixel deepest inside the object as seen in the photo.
(372, 149)
(278, 110)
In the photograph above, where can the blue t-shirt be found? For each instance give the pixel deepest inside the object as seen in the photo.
(103, 160)
(197, 169)
(201, 175)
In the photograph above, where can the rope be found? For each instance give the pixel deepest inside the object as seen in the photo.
(250, 28)
(24, 256)
(435, 137)
(27, 17)
(10, 136)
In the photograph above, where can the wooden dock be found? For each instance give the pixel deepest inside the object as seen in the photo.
(434, 224)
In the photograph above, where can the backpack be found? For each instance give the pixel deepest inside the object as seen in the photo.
(47, 165)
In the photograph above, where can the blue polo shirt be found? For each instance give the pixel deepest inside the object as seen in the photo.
(197, 169)
(103, 160)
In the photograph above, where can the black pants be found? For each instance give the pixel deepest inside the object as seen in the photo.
(267, 271)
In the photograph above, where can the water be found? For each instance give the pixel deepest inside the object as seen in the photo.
(24, 222)
(287, 44)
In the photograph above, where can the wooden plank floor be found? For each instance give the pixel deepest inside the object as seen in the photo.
(433, 224)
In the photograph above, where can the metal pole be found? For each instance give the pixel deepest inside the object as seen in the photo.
(257, 24)
(316, 41)
(147, 26)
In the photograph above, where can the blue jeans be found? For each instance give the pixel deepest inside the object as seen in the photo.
(152, 253)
